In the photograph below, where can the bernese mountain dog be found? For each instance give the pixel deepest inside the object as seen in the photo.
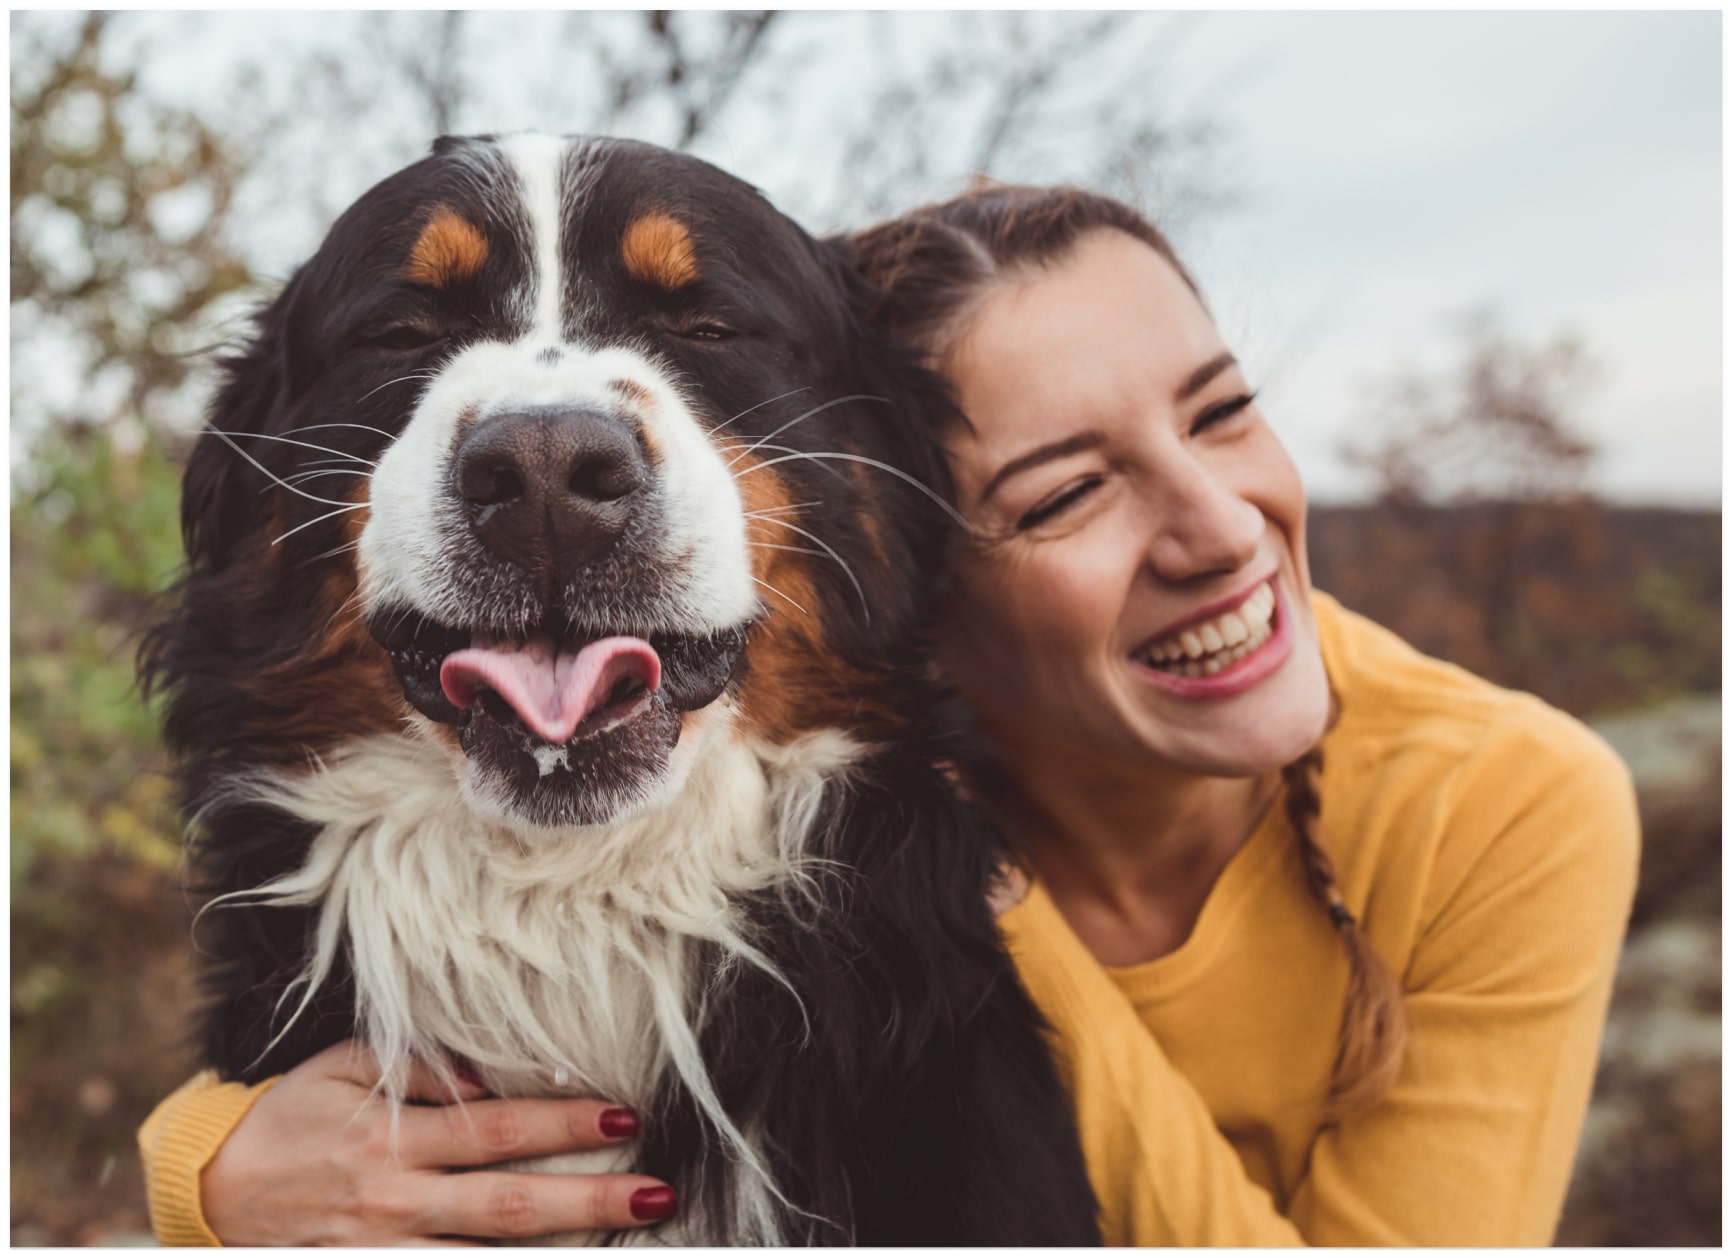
(547, 695)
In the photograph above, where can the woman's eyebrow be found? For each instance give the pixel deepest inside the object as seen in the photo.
(1043, 454)
(1202, 375)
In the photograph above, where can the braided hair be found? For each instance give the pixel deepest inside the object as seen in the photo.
(932, 268)
(1368, 1048)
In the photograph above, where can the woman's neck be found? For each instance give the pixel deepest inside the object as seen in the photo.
(1130, 855)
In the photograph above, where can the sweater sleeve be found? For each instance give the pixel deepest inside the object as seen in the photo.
(178, 1141)
(1162, 1172)
(1507, 989)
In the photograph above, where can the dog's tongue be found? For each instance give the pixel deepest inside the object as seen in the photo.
(552, 691)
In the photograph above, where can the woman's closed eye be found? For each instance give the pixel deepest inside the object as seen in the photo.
(1058, 503)
(1221, 411)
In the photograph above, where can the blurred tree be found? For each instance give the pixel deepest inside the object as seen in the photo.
(1492, 427)
(1036, 97)
(122, 247)
(925, 100)
(122, 239)
(1490, 437)
(123, 253)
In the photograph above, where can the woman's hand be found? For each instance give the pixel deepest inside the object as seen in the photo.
(312, 1163)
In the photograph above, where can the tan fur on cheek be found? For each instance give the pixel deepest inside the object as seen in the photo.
(796, 682)
(633, 392)
(657, 249)
(641, 406)
(340, 685)
(450, 248)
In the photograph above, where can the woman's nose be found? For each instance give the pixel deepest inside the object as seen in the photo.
(1203, 525)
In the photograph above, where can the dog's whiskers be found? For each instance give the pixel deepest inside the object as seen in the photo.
(817, 455)
(865, 607)
(362, 427)
(760, 405)
(265, 436)
(330, 471)
(347, 603)
(785, 449)
(766, 513)
(418, 375)
(353, 506)
(798, 419)
(775, 591)
(798, 550)
(329, 502)
(335, 551)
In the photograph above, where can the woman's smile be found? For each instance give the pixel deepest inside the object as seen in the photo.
(1222, 650)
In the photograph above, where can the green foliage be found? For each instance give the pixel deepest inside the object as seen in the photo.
(99, 938)
(122, 241)
(89, 547)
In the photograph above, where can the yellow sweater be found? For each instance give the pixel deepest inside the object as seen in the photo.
(1486, 842)
(1488, 845)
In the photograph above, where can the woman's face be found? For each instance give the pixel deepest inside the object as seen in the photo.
(1139, 589)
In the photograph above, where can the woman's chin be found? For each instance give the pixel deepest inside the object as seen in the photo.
(1252, 731)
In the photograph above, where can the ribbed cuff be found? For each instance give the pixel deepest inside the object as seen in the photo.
(178, 1141)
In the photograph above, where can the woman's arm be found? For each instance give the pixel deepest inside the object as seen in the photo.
(307, 1159)
(1507, 991)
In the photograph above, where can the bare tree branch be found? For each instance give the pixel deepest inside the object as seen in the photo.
(428, 54)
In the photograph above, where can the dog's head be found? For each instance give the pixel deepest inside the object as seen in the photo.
(558, 452)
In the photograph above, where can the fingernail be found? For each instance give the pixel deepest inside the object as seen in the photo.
(650, 1204)
(618, 1123)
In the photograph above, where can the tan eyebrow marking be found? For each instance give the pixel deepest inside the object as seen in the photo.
(658, 249)
(450, 248)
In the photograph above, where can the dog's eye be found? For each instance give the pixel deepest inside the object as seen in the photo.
(403, 338)
(706, 330)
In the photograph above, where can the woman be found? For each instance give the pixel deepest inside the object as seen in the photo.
(1325, 929)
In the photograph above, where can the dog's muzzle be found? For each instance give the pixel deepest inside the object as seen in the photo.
(550, 491)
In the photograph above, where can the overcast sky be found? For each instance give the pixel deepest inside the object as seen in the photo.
(1393, 171)
(1401, 168)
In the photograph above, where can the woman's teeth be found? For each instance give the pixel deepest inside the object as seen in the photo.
(1204, 650)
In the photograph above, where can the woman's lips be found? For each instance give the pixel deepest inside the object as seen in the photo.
(1235, 676)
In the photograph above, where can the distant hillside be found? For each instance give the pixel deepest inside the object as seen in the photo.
(1594, 608)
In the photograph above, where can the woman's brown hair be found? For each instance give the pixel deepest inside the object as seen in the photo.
(931, 268)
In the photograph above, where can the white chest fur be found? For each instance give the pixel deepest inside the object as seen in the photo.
(558, 963)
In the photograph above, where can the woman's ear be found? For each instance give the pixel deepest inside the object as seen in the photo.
(220, 493)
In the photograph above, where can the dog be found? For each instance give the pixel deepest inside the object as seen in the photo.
(547, 694)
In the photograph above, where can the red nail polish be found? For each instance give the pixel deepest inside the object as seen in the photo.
(618, 1123)
(650, 1204)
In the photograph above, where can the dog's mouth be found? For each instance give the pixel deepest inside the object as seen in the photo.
(564, 724)
(559, 682)
(559, 691)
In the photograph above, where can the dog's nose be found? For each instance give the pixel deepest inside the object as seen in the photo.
(550, 490)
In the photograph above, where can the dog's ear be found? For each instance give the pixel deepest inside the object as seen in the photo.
(917, 408)
(220, 499)
(921, 400)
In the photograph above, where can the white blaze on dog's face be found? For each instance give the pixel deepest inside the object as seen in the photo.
(600, 391)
